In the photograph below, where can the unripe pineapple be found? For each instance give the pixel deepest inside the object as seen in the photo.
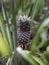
(23, 30)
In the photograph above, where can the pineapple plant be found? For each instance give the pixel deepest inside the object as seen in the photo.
(20, 21)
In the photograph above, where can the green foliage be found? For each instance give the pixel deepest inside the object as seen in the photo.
(8, 34)
(43, 26)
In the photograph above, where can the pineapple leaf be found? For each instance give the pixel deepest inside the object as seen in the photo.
(35, 40)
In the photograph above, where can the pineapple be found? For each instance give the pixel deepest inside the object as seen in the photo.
(23, 31)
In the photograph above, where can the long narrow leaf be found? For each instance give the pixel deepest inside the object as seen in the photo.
(7, 27)
(35, 40)
(3, 29)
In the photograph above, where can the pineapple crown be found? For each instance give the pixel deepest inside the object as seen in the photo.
(24, 22)
(23, 19)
